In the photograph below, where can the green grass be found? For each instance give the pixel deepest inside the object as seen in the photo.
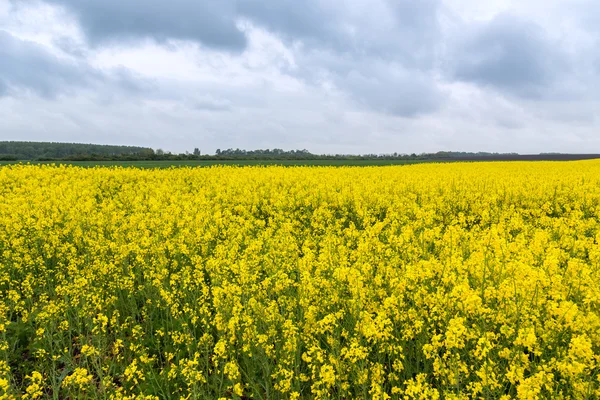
(208, 163)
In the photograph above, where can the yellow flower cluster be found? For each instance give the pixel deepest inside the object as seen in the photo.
(80, 378)
(434, 281)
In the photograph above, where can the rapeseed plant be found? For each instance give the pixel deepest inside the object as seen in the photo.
(450, 281)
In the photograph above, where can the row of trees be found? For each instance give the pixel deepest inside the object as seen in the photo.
(54, 150)
(48, 151)
(279, 154)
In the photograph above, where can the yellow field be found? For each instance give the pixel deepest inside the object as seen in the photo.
(418, 282)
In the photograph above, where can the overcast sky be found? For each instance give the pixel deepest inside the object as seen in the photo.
(331, 76)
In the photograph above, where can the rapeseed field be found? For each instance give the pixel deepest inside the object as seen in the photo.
(450, 281)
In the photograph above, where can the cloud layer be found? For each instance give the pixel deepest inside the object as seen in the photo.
(509, 54)
(334, 76)
(110, 21)
(30, 66)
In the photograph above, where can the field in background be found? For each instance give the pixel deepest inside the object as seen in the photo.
(169, 164)
(455, 281)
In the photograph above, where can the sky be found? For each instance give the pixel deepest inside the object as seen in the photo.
(330, 76)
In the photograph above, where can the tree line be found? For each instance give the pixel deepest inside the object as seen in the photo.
(41, 151)
(52, 151)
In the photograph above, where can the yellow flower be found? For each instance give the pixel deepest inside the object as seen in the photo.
(35, 387)
(89, 351)
(80, 379)
(238, 389)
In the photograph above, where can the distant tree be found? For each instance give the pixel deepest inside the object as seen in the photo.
(160, 152)
(147, 153)
(196, 152)
(37, 150)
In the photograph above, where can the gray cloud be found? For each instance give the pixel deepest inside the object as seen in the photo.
(314, 22)
(32, 67)
(211, 23)
(510, 54)
(381, 53)
(401, 30)
(392, 89)
(211, 107)
(587, 13)
(28, 65)
(70, 47)
(417, 28)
